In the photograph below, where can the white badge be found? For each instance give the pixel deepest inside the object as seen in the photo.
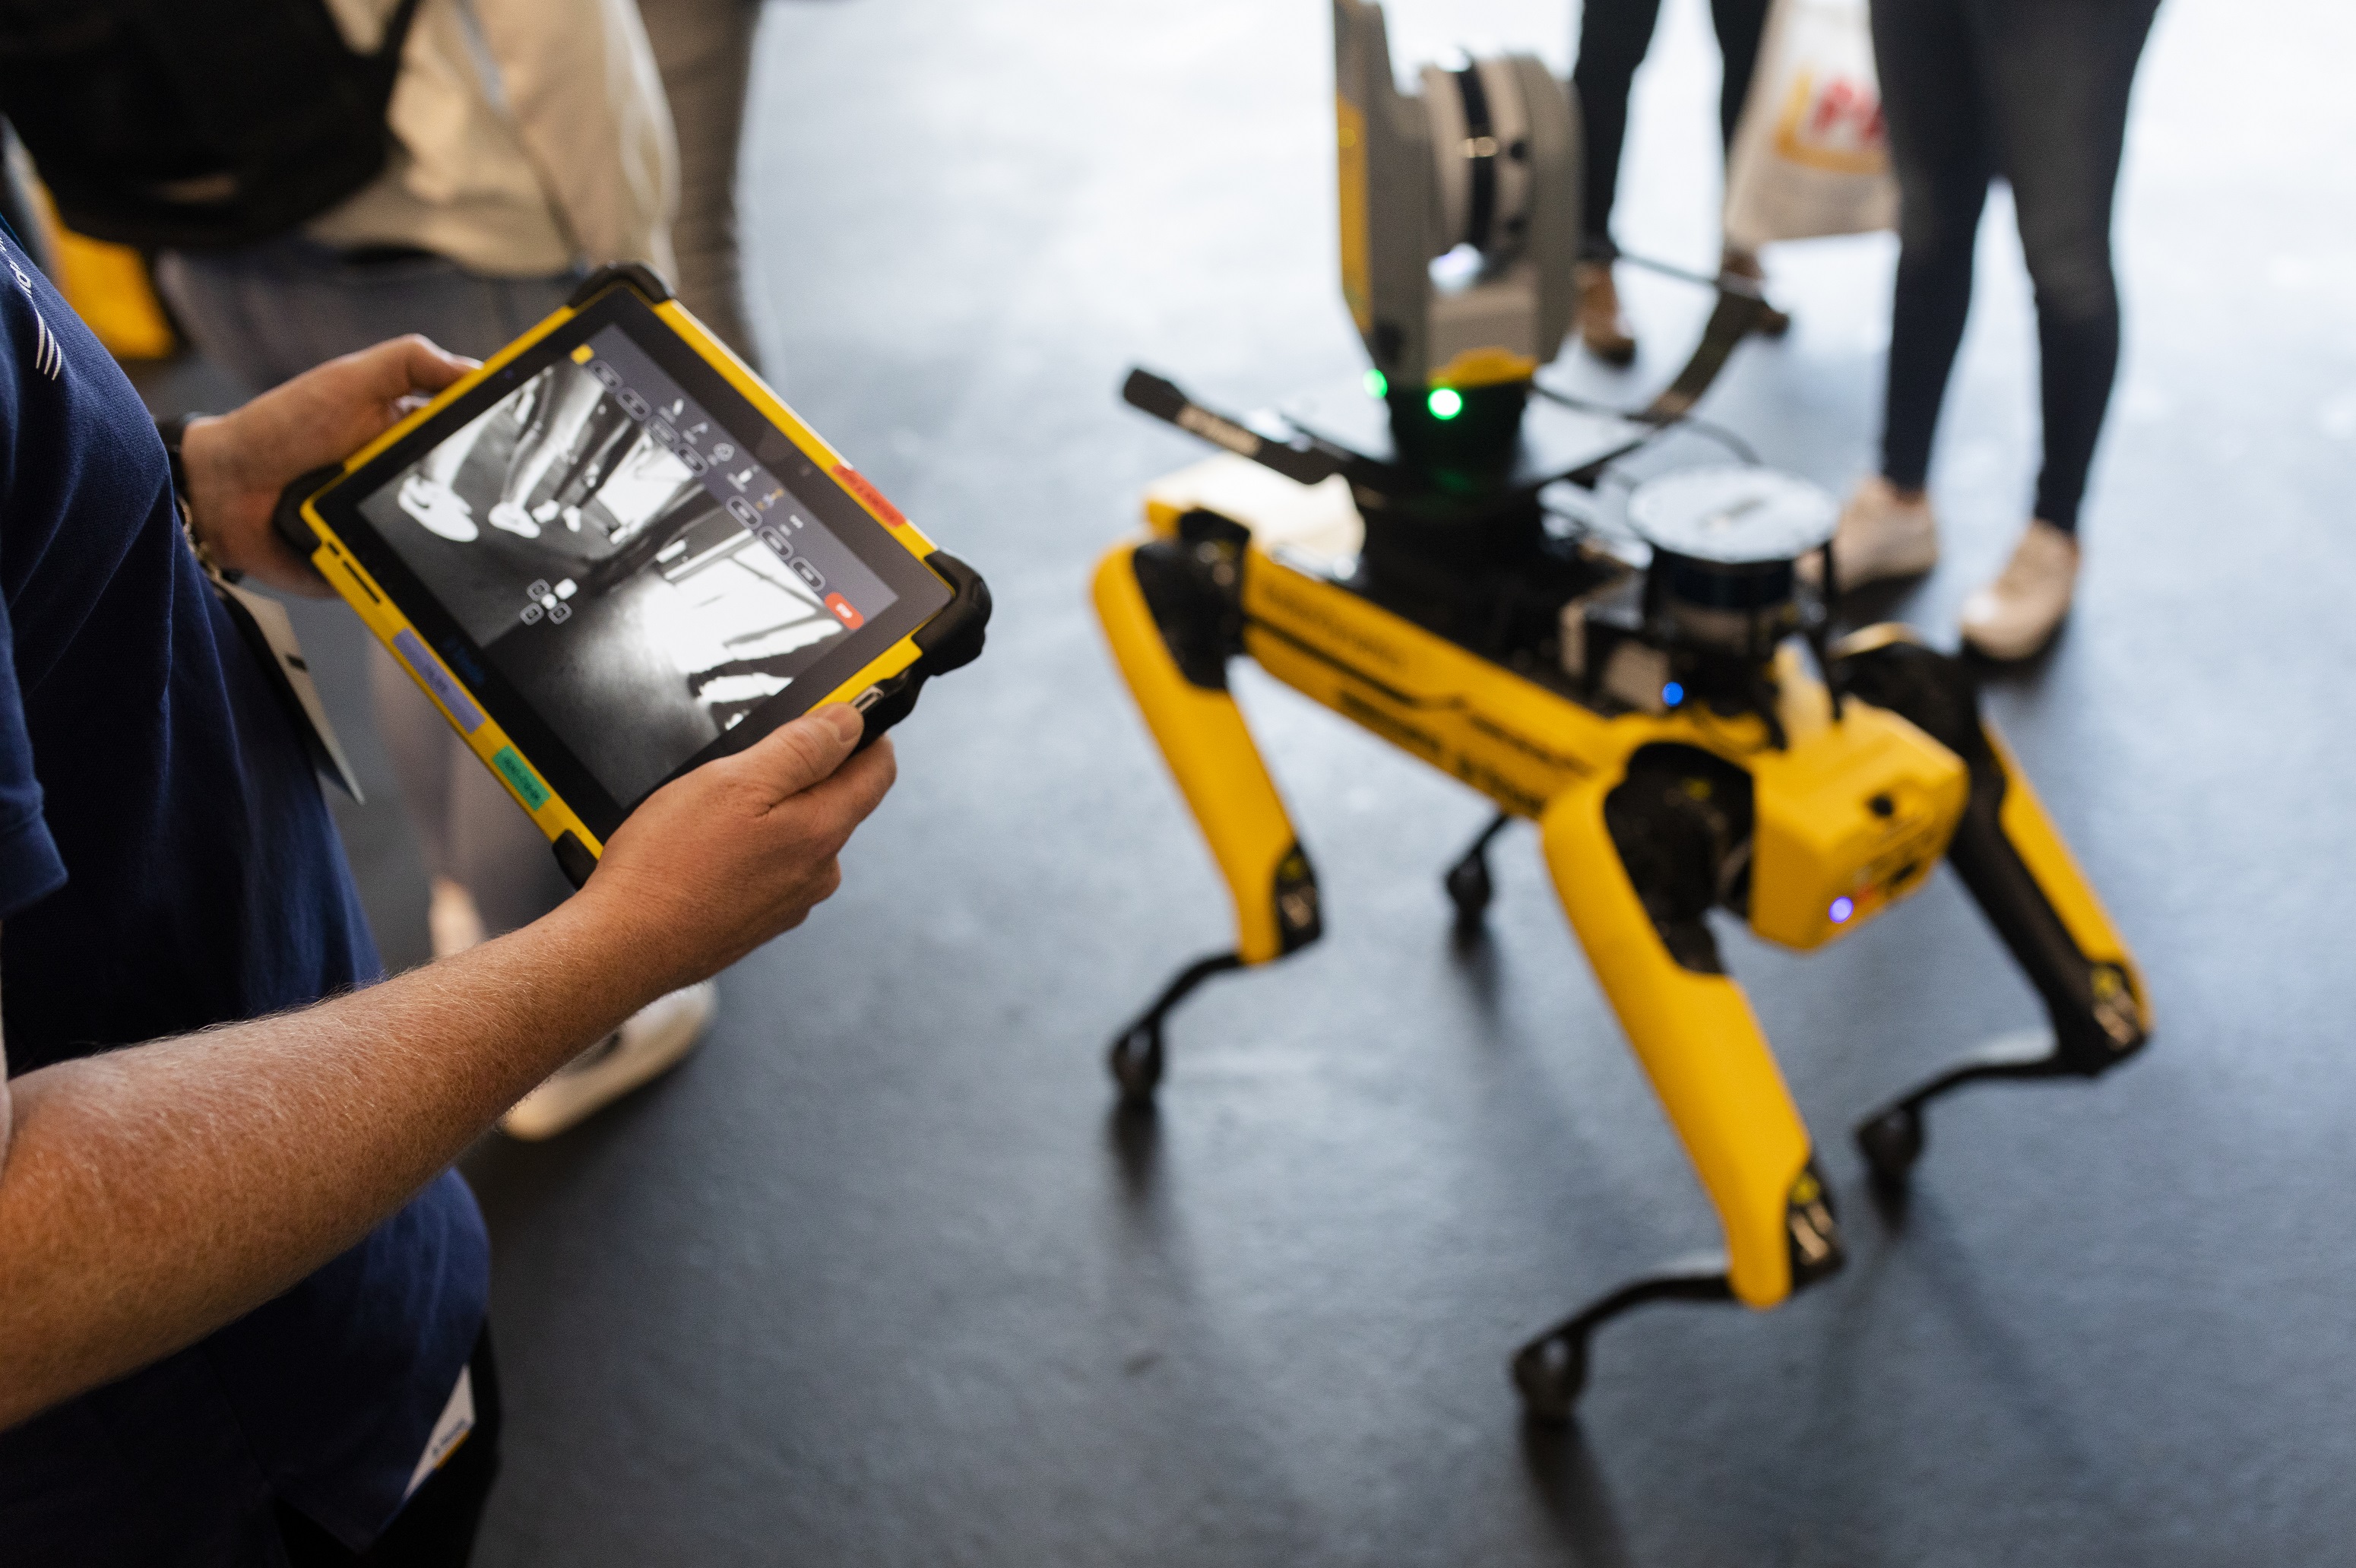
(457, 1419)
(270, 631)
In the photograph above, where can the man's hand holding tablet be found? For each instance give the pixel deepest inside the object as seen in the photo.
(716, 862)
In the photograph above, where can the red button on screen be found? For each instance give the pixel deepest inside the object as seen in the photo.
(842, 606)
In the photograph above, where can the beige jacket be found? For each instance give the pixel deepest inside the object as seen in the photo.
(532, 136)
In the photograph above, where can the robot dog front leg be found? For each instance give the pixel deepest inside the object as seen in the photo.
(2025, 882)
(1694, 1033)
(1172, 608)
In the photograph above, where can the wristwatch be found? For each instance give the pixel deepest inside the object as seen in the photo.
(172, 432)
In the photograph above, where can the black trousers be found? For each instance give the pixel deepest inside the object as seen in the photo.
(1612, 38)
(2035, 92)
(435, 1529)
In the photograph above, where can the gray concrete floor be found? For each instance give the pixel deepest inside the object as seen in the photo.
(877, 1276)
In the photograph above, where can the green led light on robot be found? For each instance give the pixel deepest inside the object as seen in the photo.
(1377, 384)
(1445, 402)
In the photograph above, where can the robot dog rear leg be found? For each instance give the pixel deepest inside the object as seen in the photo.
(1171, 609)
(1694, 1033)
(2025, 881)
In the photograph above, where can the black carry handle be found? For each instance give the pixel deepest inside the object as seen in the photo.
(1161, 398)
(950, 640)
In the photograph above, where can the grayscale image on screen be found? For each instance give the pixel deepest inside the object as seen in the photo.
(634, 575)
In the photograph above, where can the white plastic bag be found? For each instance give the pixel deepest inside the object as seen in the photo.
(1810, 154)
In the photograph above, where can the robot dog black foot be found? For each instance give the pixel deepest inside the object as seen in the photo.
(1136, 1061)
(1551, 1369)
(1136, 1055)
(1891, 1142)
(1550, 1374)
(1468, 883)
(1891, 1138)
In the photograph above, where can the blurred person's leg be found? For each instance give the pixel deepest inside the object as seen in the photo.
(704, 50)
(2060, 74)
(1612, 38)
(1739, 25)
(1930, 57)
(569, 398)
(1928, 53)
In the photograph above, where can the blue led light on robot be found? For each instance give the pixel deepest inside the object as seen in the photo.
(1841, 910)
(1673, 694)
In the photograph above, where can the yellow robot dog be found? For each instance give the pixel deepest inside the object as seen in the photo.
(1387, 552)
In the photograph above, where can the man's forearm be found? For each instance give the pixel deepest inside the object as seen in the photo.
(150, 1194)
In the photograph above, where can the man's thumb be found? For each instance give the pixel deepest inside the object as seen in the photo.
(807, 751)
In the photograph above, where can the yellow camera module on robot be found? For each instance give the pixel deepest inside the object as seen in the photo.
(1667, 703)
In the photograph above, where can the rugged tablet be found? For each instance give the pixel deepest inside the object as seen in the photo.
(612, 555)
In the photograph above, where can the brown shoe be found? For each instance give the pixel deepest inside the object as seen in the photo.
(1601, 327)
(1738, 262)
(2017, 615)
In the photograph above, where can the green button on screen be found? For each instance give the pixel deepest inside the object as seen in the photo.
(518, 772)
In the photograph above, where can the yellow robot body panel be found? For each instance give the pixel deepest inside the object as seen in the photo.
(1202, 736)
(1849, 819)
(1511, 739)
(1699, 1044)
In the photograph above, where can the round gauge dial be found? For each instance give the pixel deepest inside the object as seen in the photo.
(1733, 516)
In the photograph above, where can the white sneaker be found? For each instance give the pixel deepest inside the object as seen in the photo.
(1881, 535)
(648, 1045)
(514, 520)
(439, 510)
(2017, 614)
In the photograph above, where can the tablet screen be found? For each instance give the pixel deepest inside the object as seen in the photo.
(632, 573)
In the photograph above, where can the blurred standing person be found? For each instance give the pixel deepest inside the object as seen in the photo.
(2033, 91)
(704, 50)
(532, 141)
(1614, 36)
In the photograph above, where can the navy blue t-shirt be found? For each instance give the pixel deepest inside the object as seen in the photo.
(167, 863)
